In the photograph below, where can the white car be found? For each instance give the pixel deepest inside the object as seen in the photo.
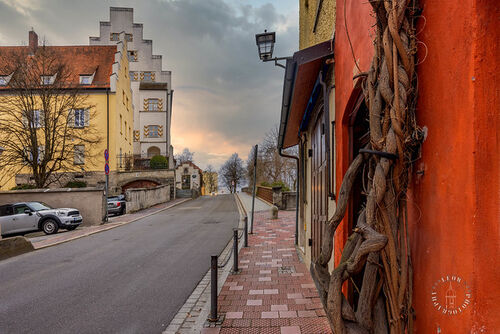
(25, 217)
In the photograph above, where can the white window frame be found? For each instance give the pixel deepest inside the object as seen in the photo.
(37, 119)
(79, 155)
(84, 78)
(153, 104)
(47, 79)
(155, 131)
(150, 74)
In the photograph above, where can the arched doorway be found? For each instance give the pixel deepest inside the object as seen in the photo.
(152, 151)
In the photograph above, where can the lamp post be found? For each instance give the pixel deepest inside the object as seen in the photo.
(265, 45)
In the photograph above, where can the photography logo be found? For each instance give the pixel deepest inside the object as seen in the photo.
(450, 295)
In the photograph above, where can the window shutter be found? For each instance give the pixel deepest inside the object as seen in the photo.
(142, 76)
(71, 118)
(160, 131)
(135, 76)
(152, 76)
(160, 104)
(25, 120)
(146, 131)
(146, 104)
(87, 117)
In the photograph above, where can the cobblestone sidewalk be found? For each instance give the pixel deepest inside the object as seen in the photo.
(274, 292)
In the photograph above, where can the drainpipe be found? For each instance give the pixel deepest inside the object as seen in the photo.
(107, 148)
(296, 193)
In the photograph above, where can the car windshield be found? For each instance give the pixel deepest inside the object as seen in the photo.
(39, 206)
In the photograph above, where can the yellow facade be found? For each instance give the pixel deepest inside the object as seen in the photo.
(309, 14)
(119, 100)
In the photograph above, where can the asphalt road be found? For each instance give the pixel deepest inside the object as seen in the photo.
(131, 279)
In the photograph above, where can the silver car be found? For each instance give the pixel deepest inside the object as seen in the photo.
(28, 217)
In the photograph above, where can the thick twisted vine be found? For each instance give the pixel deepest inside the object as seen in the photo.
(379, 246)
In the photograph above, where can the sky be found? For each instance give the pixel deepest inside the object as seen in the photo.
(225, 98)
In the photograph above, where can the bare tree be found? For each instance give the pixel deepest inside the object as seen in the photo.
(271, 166)
(185, 156)
(38, 129)
(232, 173)
(210, 179)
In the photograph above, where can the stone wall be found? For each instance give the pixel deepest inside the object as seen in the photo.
(142, 198)
(89, 201)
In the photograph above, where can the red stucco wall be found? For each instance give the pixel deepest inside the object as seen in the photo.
(454, 207)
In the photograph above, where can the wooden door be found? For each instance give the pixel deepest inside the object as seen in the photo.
(319, 186)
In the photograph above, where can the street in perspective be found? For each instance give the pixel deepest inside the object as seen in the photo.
(249, 167)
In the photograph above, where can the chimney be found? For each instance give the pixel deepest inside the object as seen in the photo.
(33, 41)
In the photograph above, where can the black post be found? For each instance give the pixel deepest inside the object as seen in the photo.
(213, 294)
(235, 250)
(246, 231)
(254, 183)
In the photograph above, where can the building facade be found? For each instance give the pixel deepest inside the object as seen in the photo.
(100, 74)
(453, 220)
(189, 177)
(152, 92)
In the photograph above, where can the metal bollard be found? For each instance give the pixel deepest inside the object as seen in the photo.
(213, 293)
(235, 250)
(246, 232)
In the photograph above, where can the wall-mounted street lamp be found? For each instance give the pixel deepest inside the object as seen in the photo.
(265, 45)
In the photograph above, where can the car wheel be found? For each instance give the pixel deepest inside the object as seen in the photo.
(70, 228)
(50, 226)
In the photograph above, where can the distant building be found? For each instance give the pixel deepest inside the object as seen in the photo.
(210, 183)
(188, 176)
(151, 86)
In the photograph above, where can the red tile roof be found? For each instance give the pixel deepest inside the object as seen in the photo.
(84, 59)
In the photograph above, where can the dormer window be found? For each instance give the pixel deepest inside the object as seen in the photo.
(47, 79)
(4, 80)
(86, 79)
(114, 36)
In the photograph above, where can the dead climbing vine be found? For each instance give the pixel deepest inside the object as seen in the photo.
(378, 249)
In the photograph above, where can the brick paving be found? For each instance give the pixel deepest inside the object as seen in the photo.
(274, 292)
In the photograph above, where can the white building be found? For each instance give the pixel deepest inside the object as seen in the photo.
(152, 91)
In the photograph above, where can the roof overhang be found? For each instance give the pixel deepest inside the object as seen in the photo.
(301, 75)
(153, 86)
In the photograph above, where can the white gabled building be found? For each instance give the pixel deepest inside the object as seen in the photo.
(152, 91)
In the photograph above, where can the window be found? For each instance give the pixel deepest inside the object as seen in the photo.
(79, 118)
(125, 130)
(132, 55)
(130, 134)
(152, 131)
(40, 153)
(79, 158)
(36, 119)
(47, 79)
(19, 209)
(129, 37)
(85, 79)
(114, 36)
(147, 76)
(121, 120)
(4, 80)
(123, 96)
(152, 105)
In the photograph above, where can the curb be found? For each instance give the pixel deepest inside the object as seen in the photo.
(118, 224)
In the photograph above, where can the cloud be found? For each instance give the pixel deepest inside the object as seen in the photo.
(225, 99)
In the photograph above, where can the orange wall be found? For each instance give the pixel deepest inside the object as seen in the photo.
(454, 207)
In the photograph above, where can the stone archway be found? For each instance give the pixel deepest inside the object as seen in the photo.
(139, 184)
(152, 151)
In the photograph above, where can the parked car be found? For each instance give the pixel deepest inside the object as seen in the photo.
(27, 217)
(116, 205)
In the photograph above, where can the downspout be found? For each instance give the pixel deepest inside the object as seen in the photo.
(107, 148)
(296, 193)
